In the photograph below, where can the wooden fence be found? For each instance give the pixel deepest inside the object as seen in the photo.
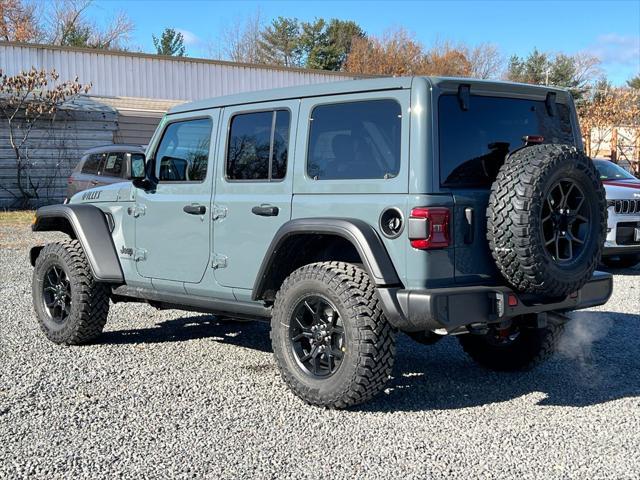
(620, 144)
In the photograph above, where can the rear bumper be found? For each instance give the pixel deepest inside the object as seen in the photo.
(451, 308)
(625, 250)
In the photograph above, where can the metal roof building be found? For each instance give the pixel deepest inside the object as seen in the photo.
(141, 87)
(130, 92)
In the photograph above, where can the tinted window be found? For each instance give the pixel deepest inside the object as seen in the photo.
(608, 170)
(258, 146)
(92, 164)
(183, 153)
(280, 145)
(474, 142)
(355, 140)
(113, 165)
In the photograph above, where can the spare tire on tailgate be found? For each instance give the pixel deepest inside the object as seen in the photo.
(547, 220)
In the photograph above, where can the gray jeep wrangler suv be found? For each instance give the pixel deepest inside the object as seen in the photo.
(344, 213)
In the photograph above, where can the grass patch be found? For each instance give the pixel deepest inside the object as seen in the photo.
(16, 217)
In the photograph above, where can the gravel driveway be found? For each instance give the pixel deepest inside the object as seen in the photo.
(177, 394)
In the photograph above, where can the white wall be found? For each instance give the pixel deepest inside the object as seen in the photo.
(151, 76)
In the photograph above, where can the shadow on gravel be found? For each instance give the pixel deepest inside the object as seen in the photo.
(597, 362)
(634, 271)
(254, 335)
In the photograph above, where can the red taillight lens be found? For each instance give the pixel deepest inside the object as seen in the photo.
(533, 139)
(429, 227)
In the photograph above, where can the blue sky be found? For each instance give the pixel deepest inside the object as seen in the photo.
(607, 29)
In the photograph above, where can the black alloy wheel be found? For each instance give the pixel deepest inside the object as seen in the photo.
(565, 221)
(56, 294)
(317, 336)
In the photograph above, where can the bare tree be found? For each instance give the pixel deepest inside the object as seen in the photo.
(239, 41)
(18, 21)
(67, 24)
(26, 100)
(486, 61)
(587, 68)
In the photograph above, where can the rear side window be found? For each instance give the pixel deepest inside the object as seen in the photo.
(183, 153)
(355, 140)
(114, 165)
(92, 164)
(258, 146)
(473, 143)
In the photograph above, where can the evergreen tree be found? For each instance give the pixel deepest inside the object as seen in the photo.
(170, 43)
(634, 82)
(280, 43)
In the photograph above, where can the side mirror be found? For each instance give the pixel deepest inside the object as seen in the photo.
(137, 166)
(143, 172)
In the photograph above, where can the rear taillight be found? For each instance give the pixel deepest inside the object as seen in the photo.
(533, 139)
(429, 227)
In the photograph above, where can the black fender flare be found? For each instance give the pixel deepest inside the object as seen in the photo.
(89, 225)
(362, 235)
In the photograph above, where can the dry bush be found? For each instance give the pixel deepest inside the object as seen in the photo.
(26, 100)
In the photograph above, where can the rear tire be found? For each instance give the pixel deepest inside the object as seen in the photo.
(353, 343)
(621, 261)
(71, 307)
(528, 349)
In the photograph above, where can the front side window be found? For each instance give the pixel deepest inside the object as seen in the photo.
(355, 140)
(258, 146)
(183, 153)
(474, 142)
(113, 165)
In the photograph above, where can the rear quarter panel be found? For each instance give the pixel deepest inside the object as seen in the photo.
(367, 199)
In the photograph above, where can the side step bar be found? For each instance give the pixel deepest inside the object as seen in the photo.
(231, 308)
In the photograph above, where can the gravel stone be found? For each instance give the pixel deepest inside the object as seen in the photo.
(183, 395)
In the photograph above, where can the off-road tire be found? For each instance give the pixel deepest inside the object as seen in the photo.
(89, 299)
(425, 338)
(621, 261)
(369, 338)
(514, 219)
(532, 347)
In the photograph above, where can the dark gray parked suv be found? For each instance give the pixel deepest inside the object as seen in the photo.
(103, 166)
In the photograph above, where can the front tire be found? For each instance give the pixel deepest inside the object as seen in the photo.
(71, 307)
(518, 349)
(332, 343)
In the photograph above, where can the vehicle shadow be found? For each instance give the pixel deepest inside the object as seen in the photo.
(597, 362)
(632, 271)
(254, 335)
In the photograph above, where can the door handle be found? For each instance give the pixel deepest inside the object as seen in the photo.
(265, 210)
(194, 209)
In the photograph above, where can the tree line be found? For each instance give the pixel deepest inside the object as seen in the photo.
(324, 44)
